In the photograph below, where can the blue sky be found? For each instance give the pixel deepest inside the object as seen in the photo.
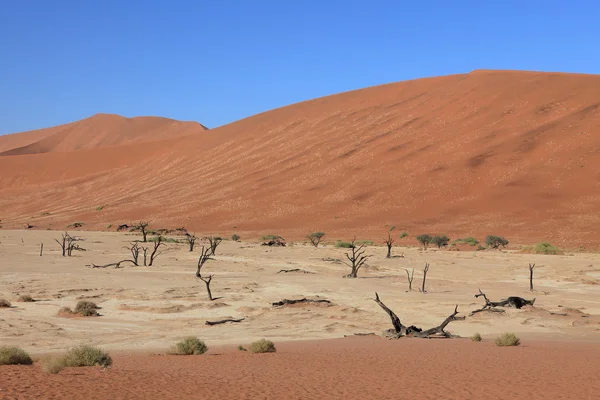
(221, 60)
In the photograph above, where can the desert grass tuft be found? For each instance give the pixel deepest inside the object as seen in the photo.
(476, 337)
(12, 355)
(86, 356)
(507, 339)
(26, 299)
(190, 346)
(262, 346)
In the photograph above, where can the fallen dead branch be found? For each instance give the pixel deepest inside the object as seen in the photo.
(304, 300)
(224, 321)
(512, 301)
(295, 270)
(116, 264)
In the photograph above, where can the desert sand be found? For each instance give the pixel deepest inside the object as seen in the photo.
(145, 310)
(509, 153)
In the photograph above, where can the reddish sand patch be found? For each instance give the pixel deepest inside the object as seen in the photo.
(352, 368)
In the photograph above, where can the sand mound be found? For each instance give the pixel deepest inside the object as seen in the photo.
(489, 152)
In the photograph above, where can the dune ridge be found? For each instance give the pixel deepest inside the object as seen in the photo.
(503, 152)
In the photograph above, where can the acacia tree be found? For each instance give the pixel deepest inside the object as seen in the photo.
(191, 240)
(389, 242)
(495, 242)
(425, 240)
(440, 241)
(205, 254)
(315, 238)
(357, 258)
(142, 227)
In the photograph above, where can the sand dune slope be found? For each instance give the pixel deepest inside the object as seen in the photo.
(510, 153)
(97, 131)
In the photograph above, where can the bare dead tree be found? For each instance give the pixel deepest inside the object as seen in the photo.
(72, 245)
(41, 248)
(315, 238)
(191, 240)
(357, 258)
(145, 250)
(142, 227)
(531, 267)
(410, 277)
(224, 321)
(389, 242)
(63, 243)
(425, 270)
(116, 265)
(155, 253)
(205, 255)
(214, 242)
(512, 301)
(401, 330)
(135, 252)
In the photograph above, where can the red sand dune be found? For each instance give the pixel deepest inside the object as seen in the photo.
(352, 368)
(97, 131)
(490, 152)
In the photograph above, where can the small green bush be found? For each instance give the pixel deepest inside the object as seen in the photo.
(190, 346)
(86, 356)
(546, 248)
(315, 237)
(12, 355)
(163, 239)
(476, 337)
(343, 245)
(262, 346)
(235, 237)
(364, 242)
(507, 339)
(403, 235)
(26, 299)
(440, 241)
(495, 241)
(99, 208)
(4, 303)
(424, 239)
(86, 308)
(471, 241)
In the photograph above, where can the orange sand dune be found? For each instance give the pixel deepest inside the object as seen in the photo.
(97, 131)
(352, 368)
(502, 152)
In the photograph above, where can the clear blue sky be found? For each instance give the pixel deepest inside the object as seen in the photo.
(216, 61)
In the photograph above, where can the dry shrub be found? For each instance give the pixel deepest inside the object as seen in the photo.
(4, 303)
(12, 355)
(86, 356)
(507, 339)
(86, 308)
(190, 346)
(262, 346)
(26, 299)
(53, 365)
(476, 337)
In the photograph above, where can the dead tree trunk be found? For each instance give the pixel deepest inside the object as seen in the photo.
(213, 243)
(63, 243)
(142, 227)
(389, 242)
(531, 267)
(357, 259)
(145, 250)
(439, 330)
(205, 254)
(135, 252)
(410, 276)
(191, 240)
(155, 252)
(512, 301)
(41, 248)
(425, 270)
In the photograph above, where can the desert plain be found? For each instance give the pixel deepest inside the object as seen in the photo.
(322, 349)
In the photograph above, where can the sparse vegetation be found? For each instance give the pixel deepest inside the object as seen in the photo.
(4, 303)
(86, 356)
(12, 355)
(495, 242)
(163, 239)
(542, 248)
(440, 241)
(52, 365)
(364, 242)
(235, 237)
(26, 299)
(75, 225)
(190, 346)
(424, 240)
(476, 337)
(315, 238)
(262, 346)
(507, 339)
(403, 235)
(83, 308)
(100, 208)
(471, 241)
(44, 214)
(271, 237)
(343, 245)
(241, 348)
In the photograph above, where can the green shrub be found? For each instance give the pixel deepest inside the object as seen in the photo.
(476, 337)
(262, 346)
(12, 355)
(271, 237)
(480, 247)
(495, 241)
(26, 299)
(364, 242)
(507, 339)
(190, 346)
(546, 248)
(343, 245)
(471, 241)
(86, 308)
(235, 237)
(53, 365)
(403, 235)
(315, 238)
(86, 356)
(440, 241)
(163, 239)
(99, 208)
(4, 303)
(424, 239)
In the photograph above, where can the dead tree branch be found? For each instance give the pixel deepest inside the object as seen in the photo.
(214, 243)
(224, 321)
(410, 277)
(295, 270)
(155, 253)
(512, 301)
(389, 242)
(191, 240)
(425, 270)
(357, 259)
(531, 267)
(142, 227)
(286, 302)
(135, 252)
(116, 265)
(205, 255)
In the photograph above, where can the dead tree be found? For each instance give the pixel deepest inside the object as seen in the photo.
(410, 276)
(145, 250)
(135, 252)
(315, 238)
(155, 253)
(142, 227)
(213, 242)
(116, 265)
(191, 240)
(389, 242)
(357, 259)
(400, 330)
(205, 255)
(531, 267)
(425, 270)
(41, 248)
(63, 243)
(512, 301)
(285, 302)
(224, 321)
(72, 245)
(122, 227)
